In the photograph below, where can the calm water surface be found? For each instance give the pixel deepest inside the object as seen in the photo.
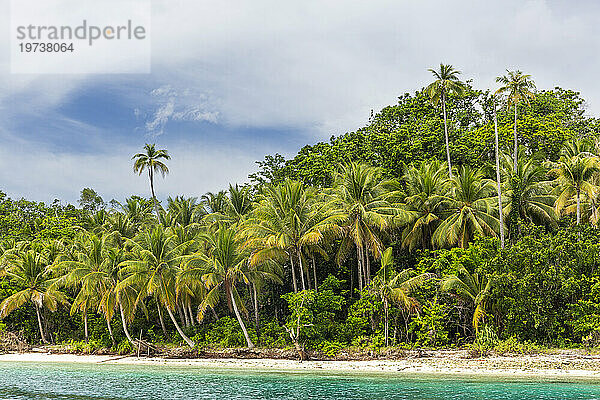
(106, 382)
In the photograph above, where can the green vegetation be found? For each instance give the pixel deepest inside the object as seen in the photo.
(457, 217)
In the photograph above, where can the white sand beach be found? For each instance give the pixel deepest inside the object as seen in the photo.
(554, 366)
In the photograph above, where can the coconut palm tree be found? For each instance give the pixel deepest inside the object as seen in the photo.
(469, 210)
(473, 288)
(528, 194)
(284, 221)
(365, 205)
(151, 161)
(220, 267)
(498, 179)
(446, 82)
(426, 186)
(574, 179)
(31, 270)
(392, 286)
(518, 87)
(153, 269)
(93, 271)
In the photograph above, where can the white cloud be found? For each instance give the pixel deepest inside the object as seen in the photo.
(177, 106)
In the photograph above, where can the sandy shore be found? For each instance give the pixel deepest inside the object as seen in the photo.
(560, 366)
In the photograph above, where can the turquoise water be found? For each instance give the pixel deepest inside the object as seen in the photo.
(107, 382)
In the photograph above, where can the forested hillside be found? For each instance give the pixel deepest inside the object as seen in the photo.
(369, 240)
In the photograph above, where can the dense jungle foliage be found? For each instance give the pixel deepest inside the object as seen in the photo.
(368, 240)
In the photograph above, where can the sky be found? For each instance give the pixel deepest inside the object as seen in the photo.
(232, 81)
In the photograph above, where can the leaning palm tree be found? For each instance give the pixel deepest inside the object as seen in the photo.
(518, 86)
(473, 288)
(469, 208)
(220, 267)
(396, 287)
(151, 160)
(574, 178)
(153, 269)
(425, 187)
(446, 82)
(31, 270)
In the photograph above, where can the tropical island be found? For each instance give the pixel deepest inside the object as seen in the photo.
(460, 218)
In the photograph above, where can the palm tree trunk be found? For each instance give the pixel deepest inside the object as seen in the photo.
(124, 322)
(516, 142)
(359, 268)
(110, 332)
(293, 274)
(446, 136)
(256, 315)
(179, 330)
(151, 176)
(301, 268)
(368, 267)
(386, 326)
(578, 206)
(239, 318)
(498, 178)
(162, 321)
(314, 265)
(189, 308)
(39, 319)
(85, 325)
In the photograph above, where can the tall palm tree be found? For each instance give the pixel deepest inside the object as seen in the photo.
(31, 270)
(221, 266)
(472, 288)
(392, 286)
(518, 86)
(446, 82)
(469, 210)
(151, 161)
(365, 206)
(574, 178)
(153, 270)
(284, 221)
(498, 179)
(426, 186)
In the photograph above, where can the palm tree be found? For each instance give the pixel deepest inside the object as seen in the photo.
(528, 194)
(150, 160)
(518, 86)
(469, 210)
(425, 188)
(31, 270)
(154, 268)
(284, 221)
(222, 265)
(574, 178)
(498, 180)
(393, 286)
(472, 288)
(446, 82)
(94, 272)
(364, 206)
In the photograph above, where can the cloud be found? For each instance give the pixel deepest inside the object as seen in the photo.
(174, 105)
(273, 69)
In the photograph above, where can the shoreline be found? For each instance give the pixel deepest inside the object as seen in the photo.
(546, 367)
